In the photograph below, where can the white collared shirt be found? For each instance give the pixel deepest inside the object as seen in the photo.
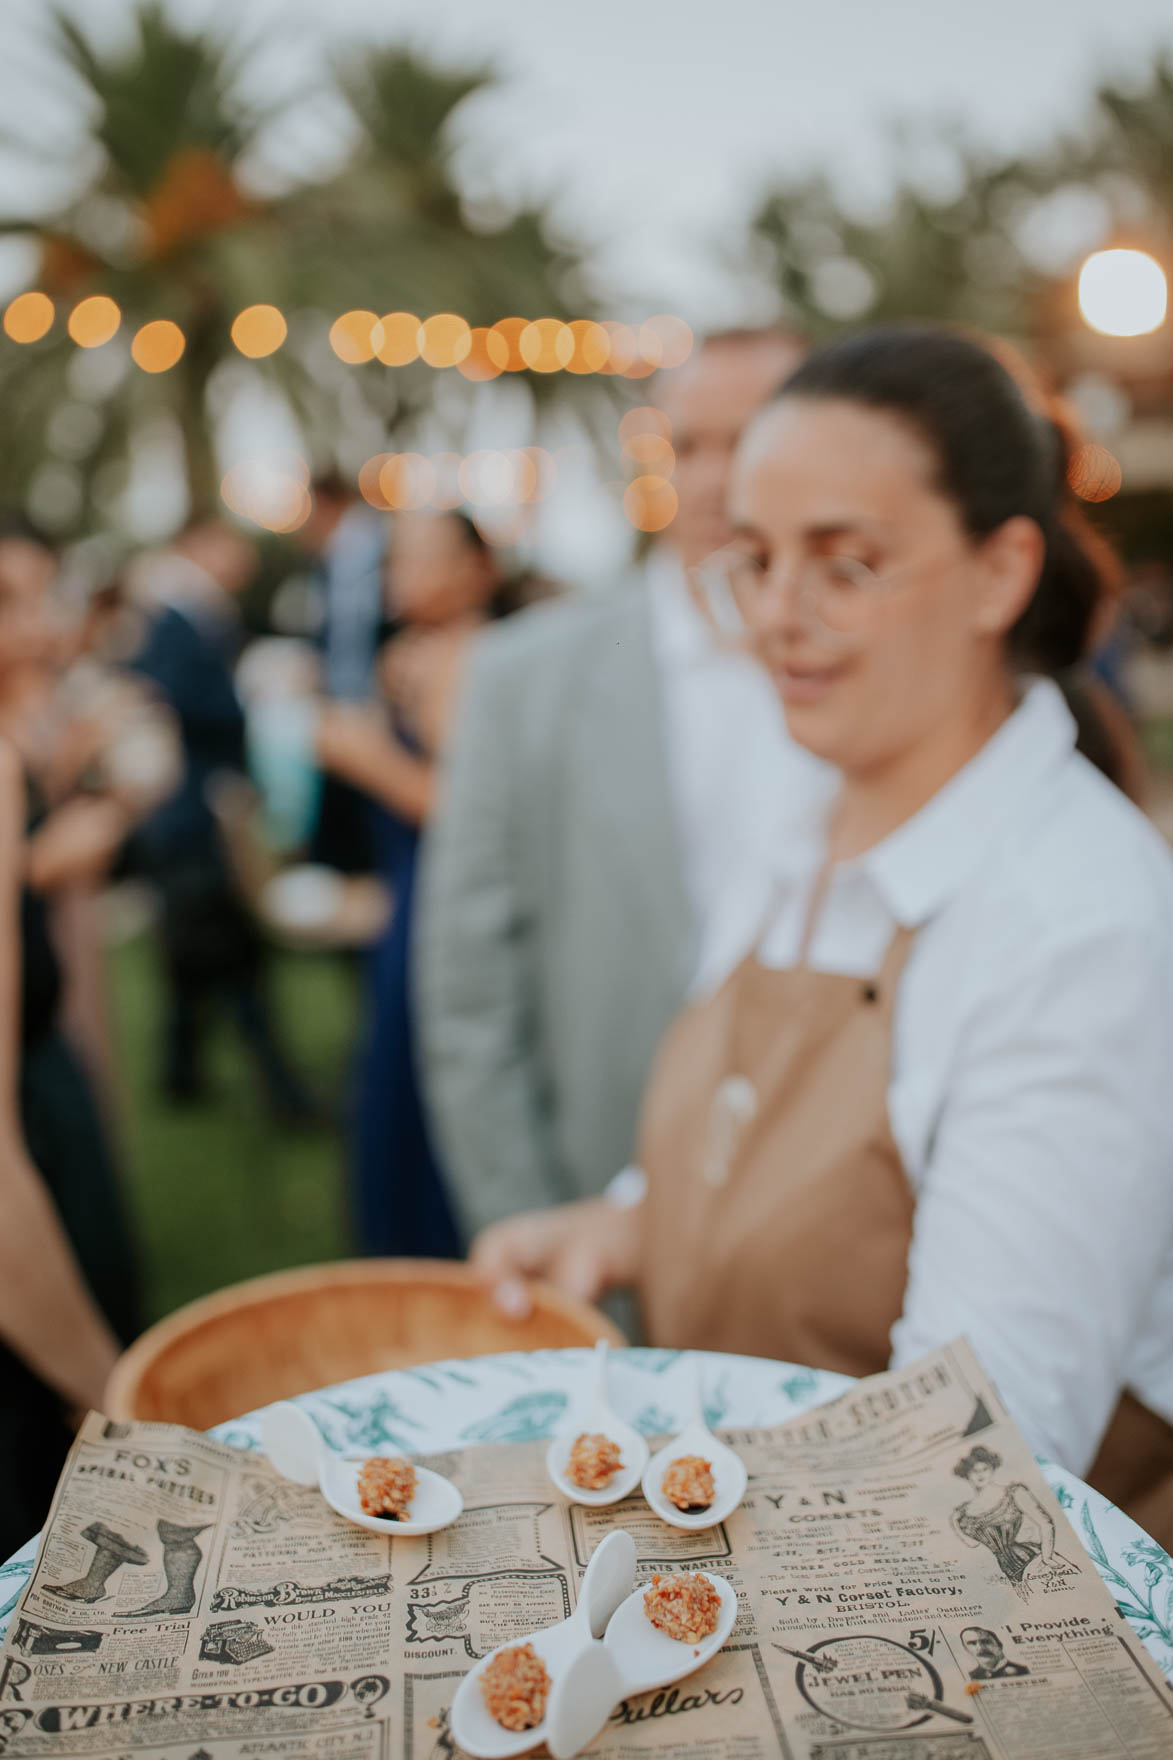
(734, 771)
(1031, 1090)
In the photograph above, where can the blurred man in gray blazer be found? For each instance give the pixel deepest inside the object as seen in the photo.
(613, 761)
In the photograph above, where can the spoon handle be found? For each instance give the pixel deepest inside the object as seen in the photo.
(698, 1391)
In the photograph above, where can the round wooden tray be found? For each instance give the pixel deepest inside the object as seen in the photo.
(292, 1331)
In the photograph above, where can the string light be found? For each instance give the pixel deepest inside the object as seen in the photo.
(272, 492)
(487, 355)
(666, 339)
(650, 503)
(368, 481)
(509, 330)
(624, 349)
(94, 321)
(645, 420)
(652, 453)
(158, 346)
(408, 480)
(396, 338)
(445, 340)
(352, 337)
(546, 345)
(258, 331)
(28, 317)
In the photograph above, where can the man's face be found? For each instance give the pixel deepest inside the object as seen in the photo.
(984, 1647)
(709, 401)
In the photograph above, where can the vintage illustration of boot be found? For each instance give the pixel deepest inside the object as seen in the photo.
(111, 1551)
(181, 1561)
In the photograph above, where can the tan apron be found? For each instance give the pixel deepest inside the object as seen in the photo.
(779, 1217)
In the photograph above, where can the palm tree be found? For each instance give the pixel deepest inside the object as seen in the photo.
(165, 223)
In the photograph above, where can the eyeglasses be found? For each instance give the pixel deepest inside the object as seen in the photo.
(838, 594)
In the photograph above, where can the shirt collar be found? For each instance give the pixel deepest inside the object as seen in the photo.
(924, 863)
(680, 634)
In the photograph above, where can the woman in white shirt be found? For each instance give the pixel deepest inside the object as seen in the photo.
(925, 1085)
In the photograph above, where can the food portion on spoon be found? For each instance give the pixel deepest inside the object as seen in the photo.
(688, 1483)
(598, 1461)
(516, 1686)
(386, 1494)
(386, 1485)
(696, 1480)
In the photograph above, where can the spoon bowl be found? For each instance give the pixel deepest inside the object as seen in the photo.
(576, 1683)
(647, 1658)
(600, 1418)
(295, 1446)
(729, 1472)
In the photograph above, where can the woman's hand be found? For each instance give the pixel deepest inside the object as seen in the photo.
(350, 740)
(582, 1249)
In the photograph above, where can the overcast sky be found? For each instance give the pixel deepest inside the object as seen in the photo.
(654, 126)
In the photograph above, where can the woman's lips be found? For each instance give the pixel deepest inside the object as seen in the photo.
(800, 684)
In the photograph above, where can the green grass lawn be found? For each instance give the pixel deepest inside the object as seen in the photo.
(218, 1190)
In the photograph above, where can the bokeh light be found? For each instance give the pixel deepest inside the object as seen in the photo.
(445, 340)
(647, 419)
(447, 493)
(258, 331)
(650, 503)
(509, 331)
(652, 453)
(408, 481)
(535, 473)
(546, 345)
(1123, 293)
(665, 339)
(94, 321)
(1094, 473)
(272, 492)
(158, 346)
(623, 350)
(352, 337)
(396, 338)
(28, 317)
(368, 481)
(487, 356)
(488, 479)
(592, 347)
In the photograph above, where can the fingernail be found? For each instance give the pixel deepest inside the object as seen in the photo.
(513, 1299)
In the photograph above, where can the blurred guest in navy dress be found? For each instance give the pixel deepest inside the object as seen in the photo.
(213, 951)
(444, 586)
(347, 541)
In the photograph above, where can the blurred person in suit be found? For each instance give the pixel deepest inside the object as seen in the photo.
(613, 764)
(213, 952)
(445, 583)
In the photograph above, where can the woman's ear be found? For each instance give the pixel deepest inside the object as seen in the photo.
(1011, 561)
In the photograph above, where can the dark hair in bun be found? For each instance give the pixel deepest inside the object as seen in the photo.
(1000, 454)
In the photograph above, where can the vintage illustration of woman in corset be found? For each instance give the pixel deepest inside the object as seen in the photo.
(994, 1516)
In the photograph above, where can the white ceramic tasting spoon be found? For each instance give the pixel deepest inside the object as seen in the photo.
(729, 1472)
(647, 1658)
(297, 1449)
(581, 1674)
(600, 1419)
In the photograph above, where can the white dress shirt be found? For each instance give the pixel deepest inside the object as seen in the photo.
(734, 771)
(1031, 1090)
